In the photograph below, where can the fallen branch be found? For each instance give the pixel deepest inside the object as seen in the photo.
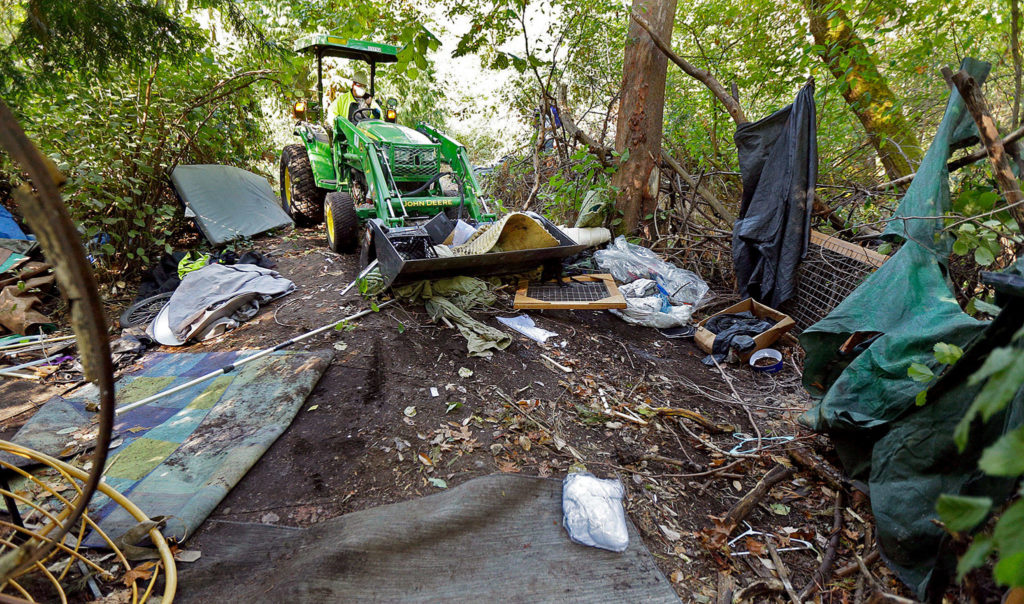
(695, 417)
(809, 461)
(739, 399)
(669, 461)
(726, 584)
(744, 506)
(820, 576)
(704, 193)
(780, 568)
(853, 567)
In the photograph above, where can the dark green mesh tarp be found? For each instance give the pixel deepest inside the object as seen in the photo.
(866, 403)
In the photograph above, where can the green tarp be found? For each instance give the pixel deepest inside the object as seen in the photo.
(866, 403)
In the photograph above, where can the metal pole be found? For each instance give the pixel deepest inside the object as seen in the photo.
(320, 84)
(252, 357)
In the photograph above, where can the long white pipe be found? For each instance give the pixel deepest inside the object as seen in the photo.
(252, 357)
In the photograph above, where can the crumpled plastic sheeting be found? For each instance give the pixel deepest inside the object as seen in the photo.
(452, 298)
(647, 306)
(592, 511)
(627, 263)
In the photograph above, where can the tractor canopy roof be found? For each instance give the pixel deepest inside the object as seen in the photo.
(326, 45)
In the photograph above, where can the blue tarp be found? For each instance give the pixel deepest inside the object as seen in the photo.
(9, 229)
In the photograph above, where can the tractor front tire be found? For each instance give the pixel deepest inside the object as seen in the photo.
(342, 222)
(300, 197)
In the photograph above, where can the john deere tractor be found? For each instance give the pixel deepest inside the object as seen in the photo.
(369, 167)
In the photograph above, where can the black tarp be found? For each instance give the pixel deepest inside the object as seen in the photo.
(778, 158)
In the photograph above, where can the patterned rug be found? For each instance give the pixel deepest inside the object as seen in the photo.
(179, 456)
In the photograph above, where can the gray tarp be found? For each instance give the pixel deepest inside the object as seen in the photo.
(497, 538)
(228, 202)
(214, 292)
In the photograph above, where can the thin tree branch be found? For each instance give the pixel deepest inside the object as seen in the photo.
(703, 75)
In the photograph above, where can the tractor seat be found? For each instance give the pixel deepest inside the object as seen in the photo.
(320, 134)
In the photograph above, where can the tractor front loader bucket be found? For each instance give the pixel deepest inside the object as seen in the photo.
(403, 256)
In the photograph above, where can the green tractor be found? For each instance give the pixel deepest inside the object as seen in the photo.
(367, 168)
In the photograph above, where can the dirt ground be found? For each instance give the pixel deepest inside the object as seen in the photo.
(373, 432)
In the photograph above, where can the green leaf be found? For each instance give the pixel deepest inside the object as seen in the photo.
(1000, 388)
(437, 482)
(947, 354)
(374, 307)
(921, 398)
(960, 512)
(975, 555)
(998, 360)
(920, 373)
(1009, 531)
(984, 256)
(1005, 457)
(985, 307)
(1010, 570)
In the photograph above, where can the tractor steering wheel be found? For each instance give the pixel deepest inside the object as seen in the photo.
(364, 113)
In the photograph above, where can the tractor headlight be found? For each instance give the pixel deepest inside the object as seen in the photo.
(392, 115)
(299, 109)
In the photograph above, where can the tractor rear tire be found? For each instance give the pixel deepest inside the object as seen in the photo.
(342, 222)
(300, 197)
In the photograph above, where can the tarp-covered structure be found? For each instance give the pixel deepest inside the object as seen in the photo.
(778, 158)
(905, 453)
(228, 203)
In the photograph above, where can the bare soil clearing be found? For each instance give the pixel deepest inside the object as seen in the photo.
(373, 433)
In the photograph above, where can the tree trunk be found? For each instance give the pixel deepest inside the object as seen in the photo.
(641, 109)
(865, 90)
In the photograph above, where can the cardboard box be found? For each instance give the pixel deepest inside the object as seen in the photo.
(705, 339)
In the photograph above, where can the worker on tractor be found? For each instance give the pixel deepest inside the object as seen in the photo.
(356, 104)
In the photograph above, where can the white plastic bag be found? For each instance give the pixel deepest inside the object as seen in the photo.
(592, 511)
(524, 324)
(627, 263)
(462, 232)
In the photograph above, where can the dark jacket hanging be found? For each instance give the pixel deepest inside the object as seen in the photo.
(778, 158)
